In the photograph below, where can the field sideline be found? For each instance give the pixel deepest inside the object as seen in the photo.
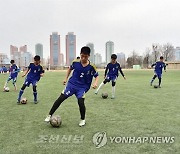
(138, 110)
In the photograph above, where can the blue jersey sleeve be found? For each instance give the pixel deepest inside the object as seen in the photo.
(95, 73)
(30, 66)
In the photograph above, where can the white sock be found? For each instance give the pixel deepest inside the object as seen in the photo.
(101, 85)
(5, 85)
(113, 91)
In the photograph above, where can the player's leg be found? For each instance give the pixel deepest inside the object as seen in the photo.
(80, 94)
(154, 77)
(5, 85)
(64, 95)
(35, 93)
(101, 85)
(21, 92)
(160, 79)
(14, 83)
(82, 110)
(113, 89)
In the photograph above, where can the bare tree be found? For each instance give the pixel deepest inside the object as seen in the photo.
(168, 51)
(134, 59)
(146, 59)
(155, 53)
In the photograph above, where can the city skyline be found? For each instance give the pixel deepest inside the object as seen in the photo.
(131, 25)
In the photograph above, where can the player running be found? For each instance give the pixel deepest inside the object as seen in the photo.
(78, 84)
(14, 70)
(34, 73)
(111, 74)
(158, 70)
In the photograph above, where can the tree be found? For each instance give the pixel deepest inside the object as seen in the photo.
(146, 59)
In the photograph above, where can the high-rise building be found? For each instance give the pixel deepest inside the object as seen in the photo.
(121, 59)
(21, 57)
(61, 59)
(23, 48)
(14, 54)
(109, 50)
(91, 46)
(55, 49)
(39, 50)
(98, 59)
(177, 54)
(70, 48)
(26, 59)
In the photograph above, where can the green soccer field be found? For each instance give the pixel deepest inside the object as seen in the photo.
(138, 110)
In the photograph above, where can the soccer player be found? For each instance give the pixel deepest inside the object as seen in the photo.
(111, 74)
(34, 73)
(13, 74)
(158, 70)
(79, 83)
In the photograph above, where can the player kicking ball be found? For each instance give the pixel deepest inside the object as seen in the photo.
(14, 70)
(34, 73)
(158, 71)
(78, 84)
(111, 74)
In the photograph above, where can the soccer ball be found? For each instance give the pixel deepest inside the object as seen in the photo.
(155, 86)
(23, 101)
(104, 95)
(55, 121)
(6, 89)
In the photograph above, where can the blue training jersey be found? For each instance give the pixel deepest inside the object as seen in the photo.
(82, 76)
(159, 66)
(113, 70)
(13, 70)
(35, 71)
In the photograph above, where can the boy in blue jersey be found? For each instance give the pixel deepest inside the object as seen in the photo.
(13, 74)
(34, 73)
(79, 83)
(158, 71)
(111, 74)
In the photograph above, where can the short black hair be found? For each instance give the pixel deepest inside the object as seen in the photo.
(12, 61)
(85, 50)
(37, 58)
(161, 57)
(78, 57)
(113, 56)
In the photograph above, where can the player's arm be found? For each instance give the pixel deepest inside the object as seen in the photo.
(26, 72)
(165, 67)
(95, 82)
(120, 70)
(42, 73)
(67, 75)
(153, 65)
(106, 71)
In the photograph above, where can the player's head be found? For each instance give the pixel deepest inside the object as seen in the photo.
(78, 57)
(12, 62)
(161, 58)
(37, 60)
(85, 54)
(113, 58)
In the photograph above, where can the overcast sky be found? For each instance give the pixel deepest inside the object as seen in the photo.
(130, 24)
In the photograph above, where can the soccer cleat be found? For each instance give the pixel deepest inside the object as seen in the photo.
(113, 97)
(48, 118)
(18, 102)
(82, 123)
(35, 101)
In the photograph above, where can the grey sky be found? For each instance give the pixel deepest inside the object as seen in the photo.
(130, 24)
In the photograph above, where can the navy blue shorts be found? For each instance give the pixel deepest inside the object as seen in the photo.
(71, 90)
(30, 81)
